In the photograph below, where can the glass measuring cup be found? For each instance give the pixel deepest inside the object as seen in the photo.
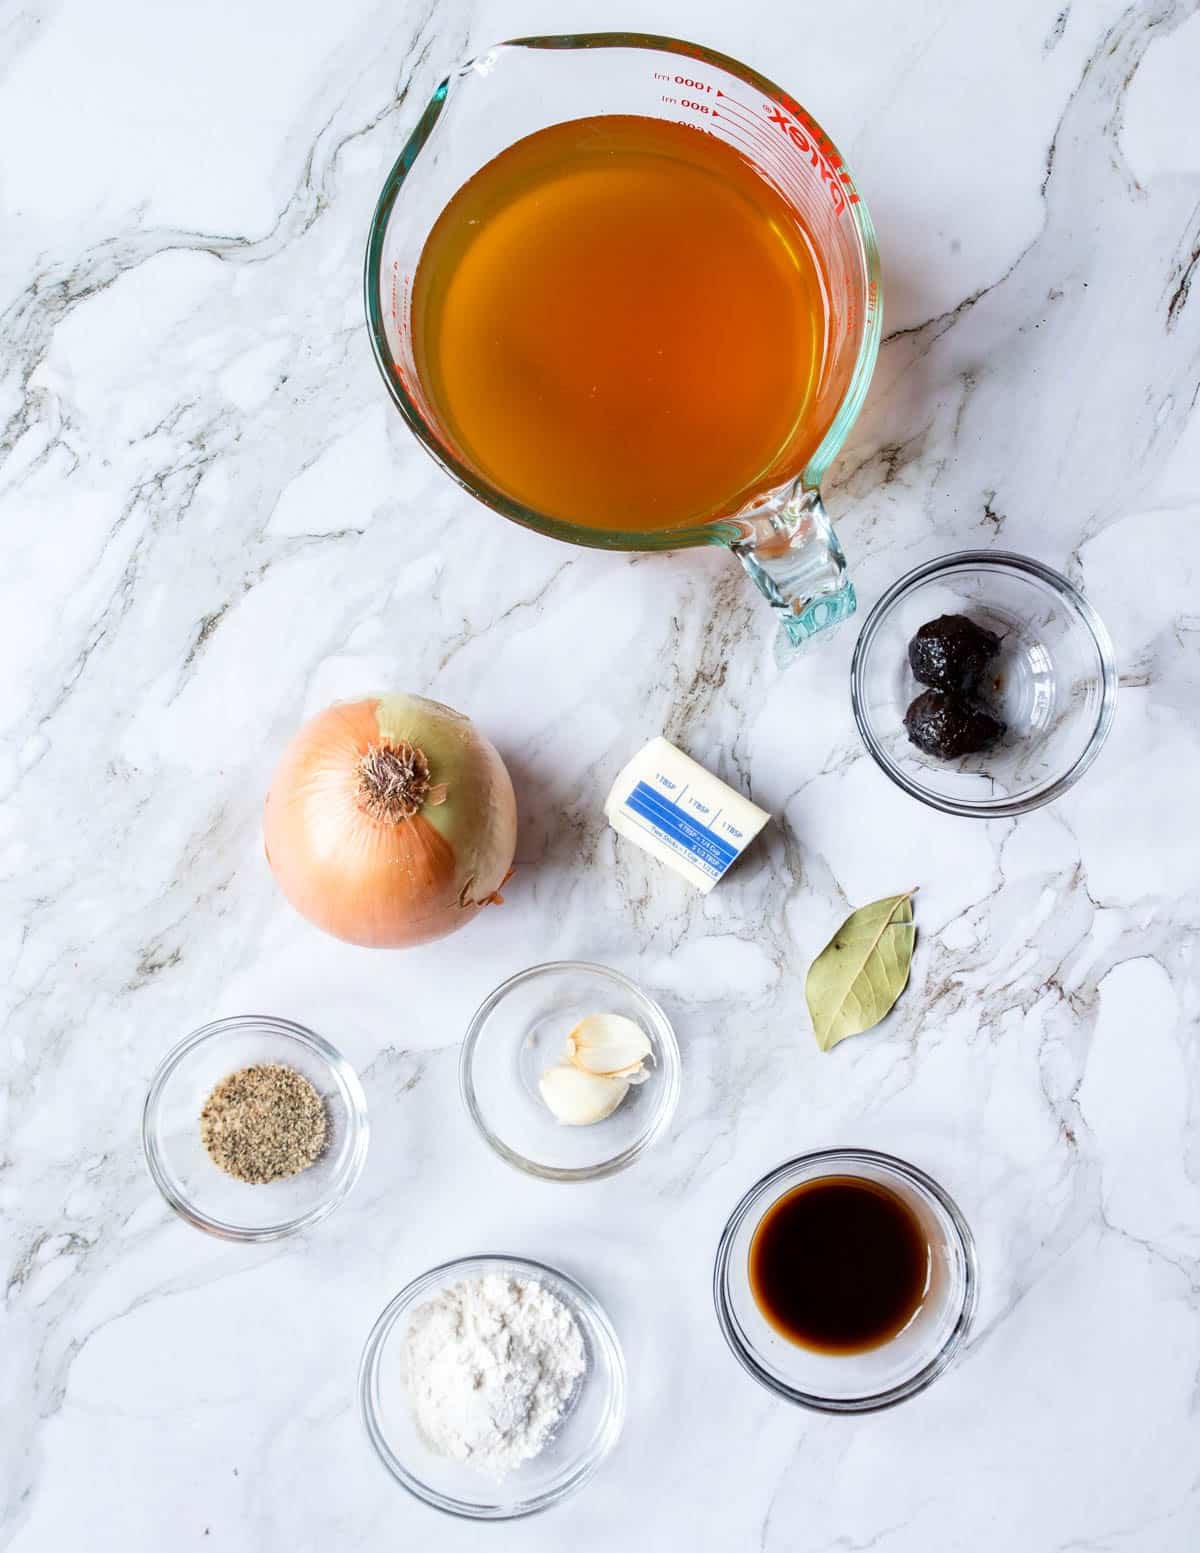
(782, 535)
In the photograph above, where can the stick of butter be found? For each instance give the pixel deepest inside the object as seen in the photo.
(680, 813)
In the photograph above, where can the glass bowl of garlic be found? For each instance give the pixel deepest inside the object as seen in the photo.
(570, 1071)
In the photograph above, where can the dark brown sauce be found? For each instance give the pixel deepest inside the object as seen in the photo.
(839, 1265)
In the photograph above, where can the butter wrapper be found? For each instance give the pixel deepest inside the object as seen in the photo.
(671, 807)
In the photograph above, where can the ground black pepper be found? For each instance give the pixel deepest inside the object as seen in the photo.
(263, 1123)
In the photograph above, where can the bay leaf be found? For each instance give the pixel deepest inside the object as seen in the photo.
(861, 971)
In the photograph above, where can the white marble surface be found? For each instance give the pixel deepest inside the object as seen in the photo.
(213, 521)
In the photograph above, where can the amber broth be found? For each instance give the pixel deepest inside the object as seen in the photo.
(621, 325)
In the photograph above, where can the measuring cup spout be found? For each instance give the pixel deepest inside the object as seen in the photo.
(796, 562)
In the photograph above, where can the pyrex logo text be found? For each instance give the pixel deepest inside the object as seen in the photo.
(819, 159)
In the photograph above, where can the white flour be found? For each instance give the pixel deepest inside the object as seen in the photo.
(489, 1365)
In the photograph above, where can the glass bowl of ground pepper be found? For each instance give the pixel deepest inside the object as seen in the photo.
(254, 1128)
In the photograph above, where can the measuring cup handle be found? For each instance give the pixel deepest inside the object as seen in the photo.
(796, 562)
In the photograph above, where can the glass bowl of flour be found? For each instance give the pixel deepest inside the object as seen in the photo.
(492, 1387)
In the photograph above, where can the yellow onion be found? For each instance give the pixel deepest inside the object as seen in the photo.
(390, 821)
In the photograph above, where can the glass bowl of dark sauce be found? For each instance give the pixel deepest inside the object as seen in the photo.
(845, 1280)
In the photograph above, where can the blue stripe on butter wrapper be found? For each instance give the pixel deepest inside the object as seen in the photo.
(667, 821)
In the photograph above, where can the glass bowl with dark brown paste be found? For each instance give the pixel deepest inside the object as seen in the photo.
(983, 683)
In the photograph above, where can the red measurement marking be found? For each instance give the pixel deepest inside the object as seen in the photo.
(739, 107)
(686, 103)
(756, 133)
(767, 146)
(744, 137)
(807, 139)
(682, 80)
(766, 154)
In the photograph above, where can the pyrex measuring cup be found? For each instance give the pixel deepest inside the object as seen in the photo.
(782, 537)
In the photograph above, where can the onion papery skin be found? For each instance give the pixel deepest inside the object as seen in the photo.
(390, 883)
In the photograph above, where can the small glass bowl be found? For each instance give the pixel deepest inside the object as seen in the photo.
(520, 1030)
(1054, 682)
(586, 1433)
(200, 1191)
(876, 1377)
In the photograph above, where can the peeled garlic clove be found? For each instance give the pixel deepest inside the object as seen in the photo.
(610, 1045)
(578, 1098)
